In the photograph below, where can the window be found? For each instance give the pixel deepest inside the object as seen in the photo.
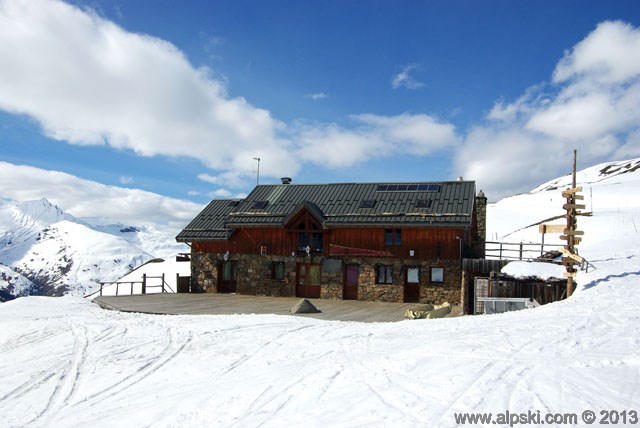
(277, 271)
(413, 275)
(384, 274)
(423, 203)
(437, 274)
(392, 237)
(259, 205)
(367, 203)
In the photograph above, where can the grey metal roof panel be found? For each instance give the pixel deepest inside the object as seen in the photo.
(340, 204)
(210, 224)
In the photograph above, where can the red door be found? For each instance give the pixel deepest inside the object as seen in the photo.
(308, 280)
(412, 285)
(351, 274)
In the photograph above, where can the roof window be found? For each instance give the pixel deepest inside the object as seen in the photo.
(259, 205)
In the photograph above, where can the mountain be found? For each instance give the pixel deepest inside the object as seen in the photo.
(611, 219)
(45, 251)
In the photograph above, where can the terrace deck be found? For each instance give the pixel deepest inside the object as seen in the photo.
(226, 304)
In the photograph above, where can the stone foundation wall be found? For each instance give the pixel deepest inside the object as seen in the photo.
(254, 277)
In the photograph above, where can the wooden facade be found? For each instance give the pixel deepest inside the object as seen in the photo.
(338, 242)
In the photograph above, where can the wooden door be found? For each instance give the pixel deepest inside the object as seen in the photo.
(351, 274)
(308, 280)
(227, 276)
(412, 285)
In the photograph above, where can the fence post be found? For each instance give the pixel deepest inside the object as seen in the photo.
(101, 285)
(117, 285)
(144, 283)
(163, 283)
(500, 251)
(520, 250)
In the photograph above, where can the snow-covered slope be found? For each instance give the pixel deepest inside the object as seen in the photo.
(45, 251)
(612, 227)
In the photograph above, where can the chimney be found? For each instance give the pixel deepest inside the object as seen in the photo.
(286, 180)
(481, 221)
(460, 179)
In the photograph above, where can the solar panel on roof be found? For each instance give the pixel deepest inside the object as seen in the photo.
(408, 187)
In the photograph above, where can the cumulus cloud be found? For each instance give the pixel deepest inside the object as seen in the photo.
(405, 79)
(85, 198)
(87, 81)
(591, 104)
(375, 136)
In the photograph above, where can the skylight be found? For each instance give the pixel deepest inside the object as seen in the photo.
(259, 205)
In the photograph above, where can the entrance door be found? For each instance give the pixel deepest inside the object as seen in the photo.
(308, 280)
(351, 274)
(412, 285)
(227, 275)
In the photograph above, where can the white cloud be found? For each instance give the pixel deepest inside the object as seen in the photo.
(220, 194)
(84, 198)
(404, 78)
(316, 96)
(608, 55)
(208, 178)
(87, 81)
(592, 104)
(125, 180)
(374, 137)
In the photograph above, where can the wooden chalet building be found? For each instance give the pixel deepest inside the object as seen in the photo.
(392, 242)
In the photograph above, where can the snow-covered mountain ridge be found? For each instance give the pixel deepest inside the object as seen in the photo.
(45, 251)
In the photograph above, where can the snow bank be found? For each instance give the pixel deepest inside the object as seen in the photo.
(540, 270)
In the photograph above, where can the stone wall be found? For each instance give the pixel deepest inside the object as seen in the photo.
(254, 277)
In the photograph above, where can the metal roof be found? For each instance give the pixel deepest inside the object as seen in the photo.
(339, 205)
(210, 224)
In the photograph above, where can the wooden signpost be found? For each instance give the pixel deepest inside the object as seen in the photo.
(571, 234)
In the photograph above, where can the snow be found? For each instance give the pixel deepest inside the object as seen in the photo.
(45, 251)
(544, 271)
(156, 270)
(66, 362)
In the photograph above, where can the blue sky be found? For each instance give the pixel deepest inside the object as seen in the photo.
(177, 98)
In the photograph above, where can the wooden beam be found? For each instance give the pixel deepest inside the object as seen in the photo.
(578, 197)
(573, 207)
(576, 240)
(551, 228)
(570, 192)
(570, 274)
(572, 232)
(570, 256)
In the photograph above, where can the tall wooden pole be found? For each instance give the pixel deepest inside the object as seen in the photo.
(571, 214)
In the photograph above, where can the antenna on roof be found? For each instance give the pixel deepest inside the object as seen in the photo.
(258, 171)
